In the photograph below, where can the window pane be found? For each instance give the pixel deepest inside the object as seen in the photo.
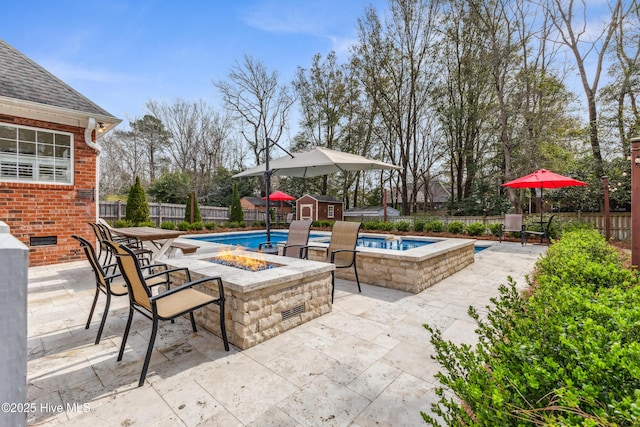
(27, 148)
(7, 146)
(63, 152)
(27, 135)
(8, 132)
(46, 137)
(45, 150)
(64, 140)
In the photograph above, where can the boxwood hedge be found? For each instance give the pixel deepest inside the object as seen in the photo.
(566, 353)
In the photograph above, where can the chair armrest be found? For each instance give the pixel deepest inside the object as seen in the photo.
(333, 253)
(190, 285)
(172, 270)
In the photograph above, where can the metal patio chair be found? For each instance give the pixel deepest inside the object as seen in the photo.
(165, 306)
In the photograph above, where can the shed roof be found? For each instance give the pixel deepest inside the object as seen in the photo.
(322, 198)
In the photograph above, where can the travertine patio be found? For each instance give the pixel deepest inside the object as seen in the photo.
(366, 363)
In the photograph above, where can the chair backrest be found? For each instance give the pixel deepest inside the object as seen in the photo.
(90, 253)
(548, 226)
(106, 231)
(512, 222)
(299, 233)
(344, 235)
(139, 292)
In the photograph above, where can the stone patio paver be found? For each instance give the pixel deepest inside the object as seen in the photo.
(367, 363)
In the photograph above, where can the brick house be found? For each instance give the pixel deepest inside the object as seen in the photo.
(316, 207)
(48, 158)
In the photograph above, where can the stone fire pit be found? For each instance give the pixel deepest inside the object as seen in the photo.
(261, 304)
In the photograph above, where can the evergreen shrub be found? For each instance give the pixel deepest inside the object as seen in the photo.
(566, 353)
(456, 227)
(476, 229)
(403, 225)
(137, 205)
(167, 225)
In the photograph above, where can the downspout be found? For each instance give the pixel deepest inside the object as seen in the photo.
(91, 125)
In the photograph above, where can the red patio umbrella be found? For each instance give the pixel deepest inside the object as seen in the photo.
(279, 196)
(543, 178)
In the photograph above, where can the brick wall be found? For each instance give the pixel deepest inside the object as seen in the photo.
(41, 210)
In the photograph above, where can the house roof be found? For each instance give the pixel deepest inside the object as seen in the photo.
(259, 201)
(370, 210)
(28, 90)
(322, 198)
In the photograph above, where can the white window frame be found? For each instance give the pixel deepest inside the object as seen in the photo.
(331, 211)
(36, 167)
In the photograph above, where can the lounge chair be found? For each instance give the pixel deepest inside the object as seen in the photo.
(165, 306)
(512, 223)
(111, 283)
(543, 233)
(342, 249)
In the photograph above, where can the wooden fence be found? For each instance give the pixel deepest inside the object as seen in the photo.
(620, 222)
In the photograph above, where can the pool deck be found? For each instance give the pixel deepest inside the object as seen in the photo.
(367, 363)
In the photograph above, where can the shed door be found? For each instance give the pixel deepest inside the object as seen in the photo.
(306, 211)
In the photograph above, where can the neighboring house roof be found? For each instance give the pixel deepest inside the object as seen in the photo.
(437, 193)
(258, 201)
(322, 198)
(371, 211)
(28, 90)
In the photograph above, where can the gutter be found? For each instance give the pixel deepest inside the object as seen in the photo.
(91, 125)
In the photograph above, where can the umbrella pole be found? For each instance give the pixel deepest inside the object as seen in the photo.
(267, 184)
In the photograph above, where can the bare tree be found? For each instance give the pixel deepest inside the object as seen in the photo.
(256, 99)
(574, 35)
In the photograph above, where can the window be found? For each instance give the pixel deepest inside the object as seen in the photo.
(330, 212)
(35, 155)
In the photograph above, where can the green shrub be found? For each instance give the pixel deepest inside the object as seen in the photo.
(147, 224)
(167, 225)
(210, 225)
(233, 224)
(403, 225)
(122, 223)
(370, 225)
(260, 223)
(419, 225)
(197, 226)
(235, 212)
(386, 226)
(326, 223)
(137, 206)
(434, 226)
(567, 354)
(455, 227)
(197, 217)
(494, 228)
(183, 226)
(476, 229)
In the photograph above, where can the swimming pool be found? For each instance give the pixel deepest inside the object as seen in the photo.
(251, 240)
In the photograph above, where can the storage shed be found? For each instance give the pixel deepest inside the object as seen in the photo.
(315, 207)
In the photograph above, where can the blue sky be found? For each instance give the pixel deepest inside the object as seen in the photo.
(121, 53)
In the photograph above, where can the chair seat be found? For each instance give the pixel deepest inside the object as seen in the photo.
(119, 288)
(180, 302)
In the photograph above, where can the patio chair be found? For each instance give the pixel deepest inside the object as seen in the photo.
(543, 232)
(132, 243)
(512, 223)
(342, 249)
(165, 306)
(297, 240)
(112, 284)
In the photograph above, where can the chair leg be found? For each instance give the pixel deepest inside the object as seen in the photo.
(223, 328)
(126, 334)
(104, 318)
(355, 270)
(193, 322)
(147, 358)
(93, 307)
(333, 284)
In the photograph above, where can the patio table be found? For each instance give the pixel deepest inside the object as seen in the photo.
(159, 240)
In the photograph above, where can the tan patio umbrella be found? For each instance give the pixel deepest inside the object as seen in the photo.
(315, 162)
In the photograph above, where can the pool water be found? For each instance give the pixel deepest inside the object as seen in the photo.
(249, 240)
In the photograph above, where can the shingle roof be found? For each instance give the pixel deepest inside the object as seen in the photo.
(23, 79)
(321, 198)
